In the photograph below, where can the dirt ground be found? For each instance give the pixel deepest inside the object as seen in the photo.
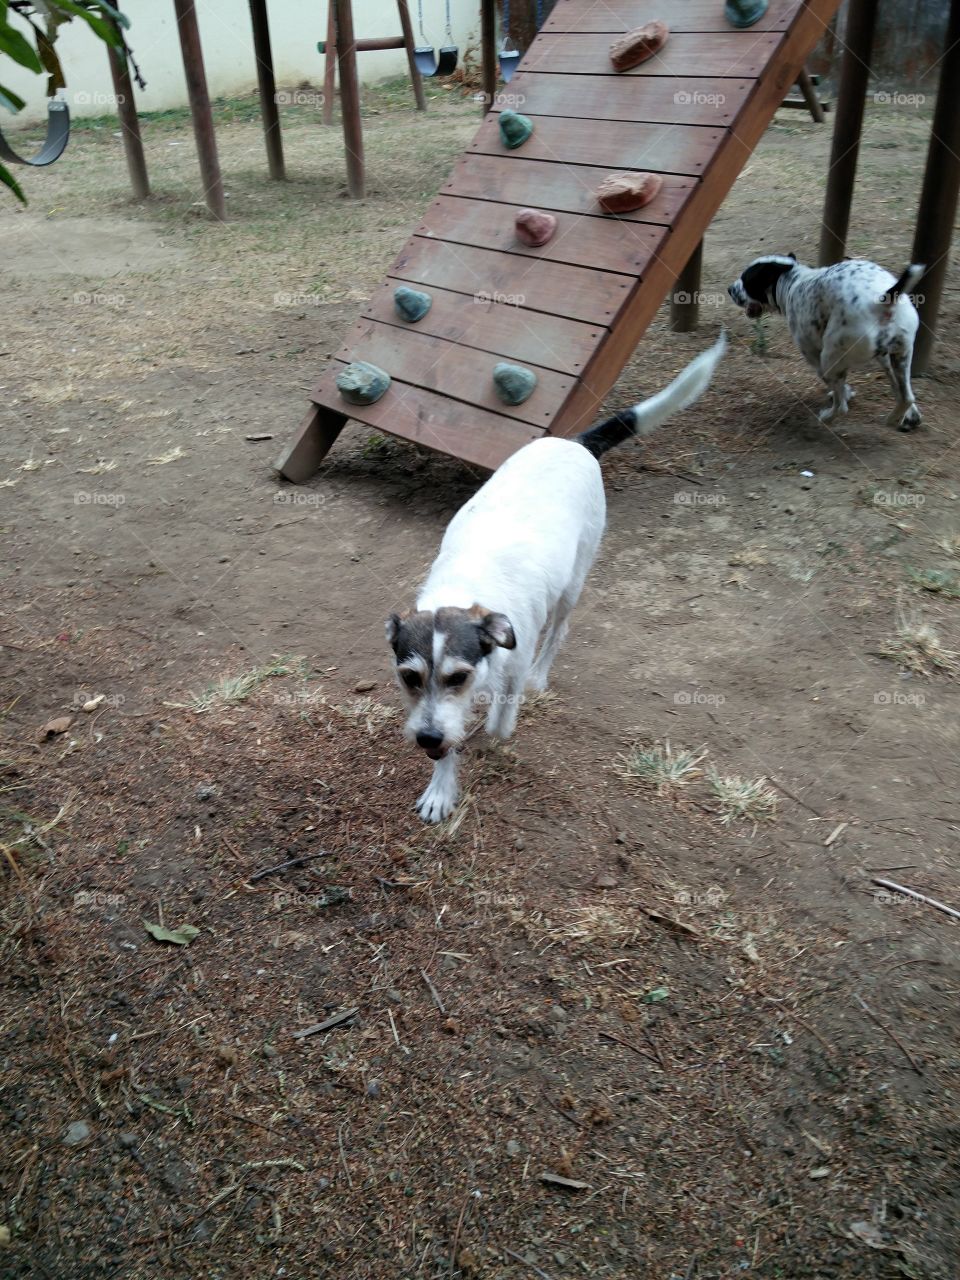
(738, 1050)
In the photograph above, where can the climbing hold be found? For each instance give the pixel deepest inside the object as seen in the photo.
(624, 192)
(362, 383)
(535, 228)
(515, 129)
(638, 45)
(411, 305)
(744, 13)
(514, 384)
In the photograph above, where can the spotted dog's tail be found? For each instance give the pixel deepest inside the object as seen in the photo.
(905, 285)
(644, 418)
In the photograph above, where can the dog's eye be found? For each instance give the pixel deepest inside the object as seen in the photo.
(457, 679)
(411, 679)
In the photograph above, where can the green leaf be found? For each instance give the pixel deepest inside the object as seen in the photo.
(182, 936)
(8, 180)
(656, 996)
(12, 101)
(19, 48)
(100, 26)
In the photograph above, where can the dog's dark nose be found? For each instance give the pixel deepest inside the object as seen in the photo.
(429, 741)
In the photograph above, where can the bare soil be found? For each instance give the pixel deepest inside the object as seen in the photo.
(739, 1050)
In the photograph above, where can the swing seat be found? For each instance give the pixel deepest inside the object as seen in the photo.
(508, 64)
(55, 143)
(430, 64)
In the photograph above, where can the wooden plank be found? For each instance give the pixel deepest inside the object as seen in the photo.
(768, 92)
(559, 187)
(731, 53)
(618, 16)
(462, 373)
(553, 287)
(463, 431)
(703, 100)
(601, 243)
(496, 327)
(617, 145)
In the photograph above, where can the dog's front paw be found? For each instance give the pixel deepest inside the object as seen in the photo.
(910, 420)
(437, 802)
(827, 415)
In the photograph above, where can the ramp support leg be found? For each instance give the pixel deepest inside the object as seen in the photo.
(807, 89)
(851, 98)
(938, 200)
(315, 438)
(685, 299)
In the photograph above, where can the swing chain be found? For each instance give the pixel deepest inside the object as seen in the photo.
(423, 34)
(449, 28)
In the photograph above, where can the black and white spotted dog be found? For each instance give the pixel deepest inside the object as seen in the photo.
(841, 318)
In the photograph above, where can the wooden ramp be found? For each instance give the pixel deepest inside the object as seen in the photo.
(575, 309)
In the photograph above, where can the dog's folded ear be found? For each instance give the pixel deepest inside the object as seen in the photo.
(496, 627)
(793, 256)
(393, 625)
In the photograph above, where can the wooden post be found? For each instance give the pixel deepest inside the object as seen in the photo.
(488, 45)
(685, 312)
(329, 66)
(851, 98)
(203, 131)
(316, 437)
(806, 87)
(349, 98)
(938, 199)
(406, 27)
(129, 124)
(268, 88)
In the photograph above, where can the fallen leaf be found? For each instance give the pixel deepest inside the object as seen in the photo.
(817, 1174)
(53, 727)
(656, 996)
(182, 936)
(869, 1233)
(568, 1184)
(604, 880)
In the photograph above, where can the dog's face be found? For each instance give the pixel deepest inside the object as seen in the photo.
(442, 657)
(756, 289)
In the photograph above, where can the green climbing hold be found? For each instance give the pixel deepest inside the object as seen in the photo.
(744, 13)
(514, 384)
(515, 129)
(411, 304)
(362, 383)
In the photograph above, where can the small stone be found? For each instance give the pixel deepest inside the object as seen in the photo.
(410, 304)
(76, 1133)
(604, 880)
(624, 192)
(513, 1147)
(364, 686)
(515, 129)
(227, 1054)
(514, 384)
(373, 1088)
(362, 383)
(535, 228)
(128, 1139)
(270, 1050)
(4, 1237)
(205, 791)
(638, 45)
(558, 1013)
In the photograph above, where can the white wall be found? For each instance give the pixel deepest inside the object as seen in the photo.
(295, 28)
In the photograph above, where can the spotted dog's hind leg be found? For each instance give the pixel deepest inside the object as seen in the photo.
(905, 415)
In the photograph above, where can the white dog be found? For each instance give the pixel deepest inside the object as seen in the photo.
(841, 317)
(511, 565)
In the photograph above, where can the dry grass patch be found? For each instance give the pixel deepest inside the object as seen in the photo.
(661, 766)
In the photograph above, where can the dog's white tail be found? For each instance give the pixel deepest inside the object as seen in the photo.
(644, 418)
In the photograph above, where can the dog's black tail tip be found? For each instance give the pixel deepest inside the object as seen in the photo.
(608, 434)
(909, 278)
